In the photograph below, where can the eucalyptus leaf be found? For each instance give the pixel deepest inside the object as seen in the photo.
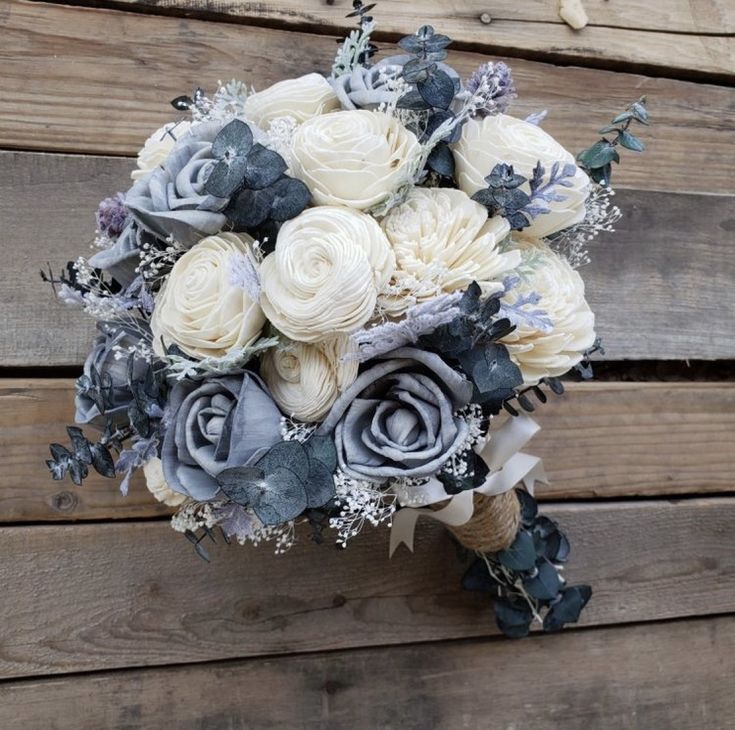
(263, 167)
(290, 197)
(630, 141)
(250, 208)
(568, 609)
(441, 160)
(437, 90)
(545, 585)
(478, 578)
(513, 619)
(521, 555)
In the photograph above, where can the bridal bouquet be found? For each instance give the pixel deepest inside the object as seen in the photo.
(317, 297)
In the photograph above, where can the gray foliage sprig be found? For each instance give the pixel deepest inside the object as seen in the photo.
(597, 160)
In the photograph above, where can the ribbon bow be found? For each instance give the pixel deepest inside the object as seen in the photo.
(507, 464)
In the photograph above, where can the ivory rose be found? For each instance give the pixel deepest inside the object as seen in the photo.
(555, 325)
(306, 379)
(355, 158)
(200, 309)
(301, 99)
(325, 274)
(158, 146)
(501, 138)
(443, 241)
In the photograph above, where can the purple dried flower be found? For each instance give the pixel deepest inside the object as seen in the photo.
(112, 215)
(493, 84)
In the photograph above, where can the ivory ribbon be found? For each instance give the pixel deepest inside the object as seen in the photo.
(508, 466)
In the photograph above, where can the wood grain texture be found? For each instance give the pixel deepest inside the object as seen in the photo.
(656, 285)
(104, 596)
(70, 84)
(670, 675)
(675, 36)
(598, 440)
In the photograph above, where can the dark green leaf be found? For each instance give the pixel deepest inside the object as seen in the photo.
(521, 555)
(441, 160)
(623, 117)
(263, 167)
(545, 584)
(600, 154)
(630, 141)
(513, 619)
(239, 483)
(568, 609)
(290, 197)
(478, 578)
(250, 208)
(437, 90)
(322, 449)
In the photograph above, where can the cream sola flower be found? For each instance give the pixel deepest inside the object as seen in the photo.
(502, 138)
(200, 308)
(306, 379)
(443, 241)
(354, 158)
(554, 323)
(323, 279)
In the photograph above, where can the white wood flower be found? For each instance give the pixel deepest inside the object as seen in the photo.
(554, 323)
(200, 308)
(306, 379)
(443, 241)
(354, 158)
(504, 139)
(301, 99)
(325, 274)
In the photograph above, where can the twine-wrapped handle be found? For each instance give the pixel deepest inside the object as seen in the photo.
(494, 523)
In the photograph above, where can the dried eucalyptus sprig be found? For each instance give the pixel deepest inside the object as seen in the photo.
(597, 160)
(526, 579)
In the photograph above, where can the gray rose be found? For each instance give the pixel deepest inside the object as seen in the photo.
(171, 200)
(398, 418)
(123, 257)
(216, 424)
(95, 405)
(367, 88)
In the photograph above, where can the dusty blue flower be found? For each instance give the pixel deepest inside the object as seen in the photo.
(102, 391)
(172, 200)
(398, 419)
(213, 425)
(122, 258)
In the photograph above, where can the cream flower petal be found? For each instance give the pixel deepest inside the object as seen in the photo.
(443, 241)
(324, 276)
(199, 308)
(552, 350)
(501, 138)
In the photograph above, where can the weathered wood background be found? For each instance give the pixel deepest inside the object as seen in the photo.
(108, 621)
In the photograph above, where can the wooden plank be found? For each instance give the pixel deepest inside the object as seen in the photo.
(656, 285)
(105, 596)
(669, 675)
(675, 37)
(69, 84)
(598, 440)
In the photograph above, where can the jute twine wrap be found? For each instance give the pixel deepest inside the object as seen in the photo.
(493, 525)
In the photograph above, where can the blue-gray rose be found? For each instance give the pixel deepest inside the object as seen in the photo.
(171, 200)
(102, 391)
(123, 257)
(216, 424)
(368, 88)
(398, 419)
